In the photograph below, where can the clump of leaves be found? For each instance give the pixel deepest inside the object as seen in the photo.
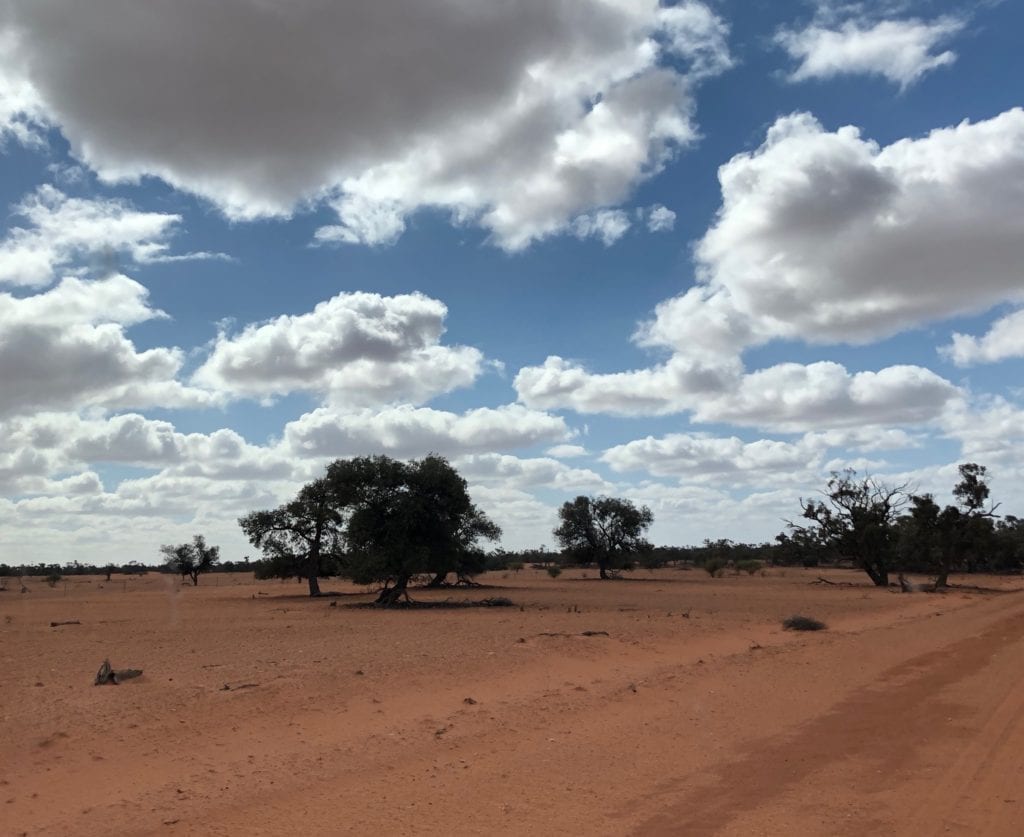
(803, 623)
(554, 571)
(749, 566)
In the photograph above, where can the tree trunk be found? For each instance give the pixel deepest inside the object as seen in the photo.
(195, 578)
(389, 596)
(603, 570)
(878, 574)
(438, 580)
(314, 584)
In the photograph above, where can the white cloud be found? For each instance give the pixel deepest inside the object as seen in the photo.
(541, 472)
(660, 219)
(900, 50)
(608, 224)
(61, 230)
(66, 348)
(790, 396)
(714, 458)
(357, 348)
(519, 117)
(21, 111)
(407, 431)
(567, 451)
(1005, 339)
(825, 237)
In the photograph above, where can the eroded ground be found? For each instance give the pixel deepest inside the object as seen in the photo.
(262, 712)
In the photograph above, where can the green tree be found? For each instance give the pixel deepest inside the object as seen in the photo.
(302, 537)
(856, 521)
(951, 536)
(406, 519)
(608, 531)
(191, 559)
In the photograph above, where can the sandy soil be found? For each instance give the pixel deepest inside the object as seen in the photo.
(262, 712)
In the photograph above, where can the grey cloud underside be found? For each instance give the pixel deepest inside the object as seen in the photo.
(382, 107)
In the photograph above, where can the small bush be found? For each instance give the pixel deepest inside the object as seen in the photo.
(803, 623)
(714, 566)
(515, 566)
(554, 571)
(53, 579)
(750, 566)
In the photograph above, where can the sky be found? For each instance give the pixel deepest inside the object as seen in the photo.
(694, 254)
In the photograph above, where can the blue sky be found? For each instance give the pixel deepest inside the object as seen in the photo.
(697, 254)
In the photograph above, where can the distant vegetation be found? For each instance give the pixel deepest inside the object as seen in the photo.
(190, 560)
(884, 529)
(379, 521)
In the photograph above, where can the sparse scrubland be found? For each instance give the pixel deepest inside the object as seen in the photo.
(704, 682)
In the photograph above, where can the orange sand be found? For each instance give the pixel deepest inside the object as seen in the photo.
(262, 712)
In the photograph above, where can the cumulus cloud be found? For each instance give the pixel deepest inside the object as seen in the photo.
(790, 396)
(407, 431)
(609, 225)
(60, 230)
(826, 237)
(517, 116)
(21, 110)
(660, 219)
(541, 472)
(902, 51)
(709, 457)
(66, 348)
(357, 348)
(567, 451)
(1005, 339)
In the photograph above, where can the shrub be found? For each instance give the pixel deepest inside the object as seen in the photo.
(53, 579)
(714, 566)
(515, 566)
(554, 571)
(749, 566)
(803, 623)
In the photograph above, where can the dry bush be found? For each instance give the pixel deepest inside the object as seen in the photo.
(803, 623)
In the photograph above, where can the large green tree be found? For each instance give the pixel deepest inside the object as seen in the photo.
(302, 537)
(608, 531)
(406, 519)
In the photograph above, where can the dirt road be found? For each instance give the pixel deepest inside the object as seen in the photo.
(688, 711)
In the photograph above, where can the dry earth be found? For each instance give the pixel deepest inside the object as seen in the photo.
(262, 712)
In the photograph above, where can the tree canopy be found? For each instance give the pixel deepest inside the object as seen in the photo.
(300, 538)
(406, 519)
(190, 559)
(947, 537)
(376, 520)
(608, 531)
(855, 520)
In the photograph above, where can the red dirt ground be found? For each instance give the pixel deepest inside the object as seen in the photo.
(262, 712)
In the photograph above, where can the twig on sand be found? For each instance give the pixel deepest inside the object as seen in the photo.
(69, 622)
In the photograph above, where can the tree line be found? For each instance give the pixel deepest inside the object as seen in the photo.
(376, 520)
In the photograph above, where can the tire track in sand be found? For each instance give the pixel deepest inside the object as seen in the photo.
(924, 712)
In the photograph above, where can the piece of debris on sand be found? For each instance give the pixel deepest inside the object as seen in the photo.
(107, 675)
